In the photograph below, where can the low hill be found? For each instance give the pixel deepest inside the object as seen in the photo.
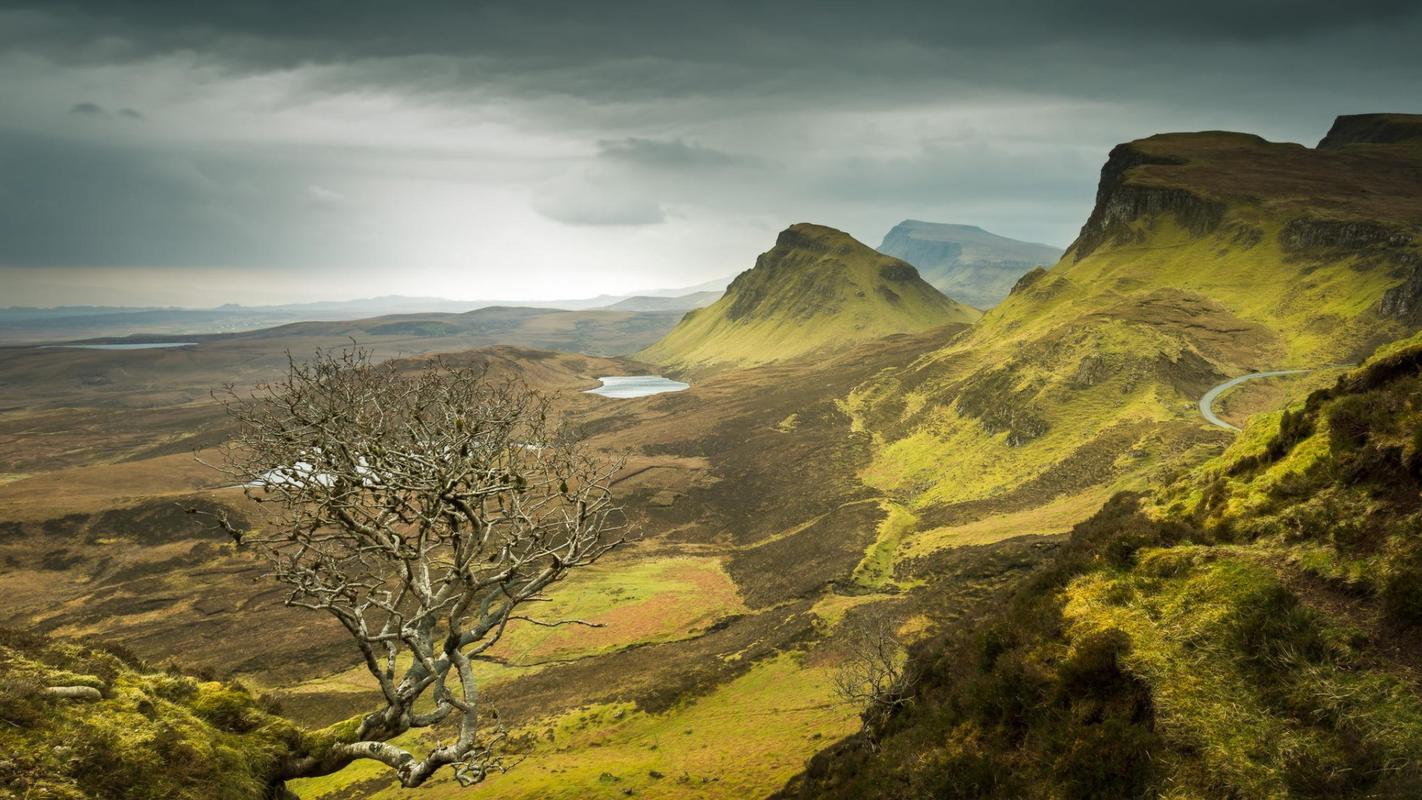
(38, 377)
(965, 261)
(594, 331)
(817, 290)
(685, 302)
(1247, 631)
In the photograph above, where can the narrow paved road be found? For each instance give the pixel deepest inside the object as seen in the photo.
(1208, 401)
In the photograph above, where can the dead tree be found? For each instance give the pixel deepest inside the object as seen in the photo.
(876, 675)
(426, 510)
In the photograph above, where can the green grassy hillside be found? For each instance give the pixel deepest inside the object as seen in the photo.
(1248, 630)
(817, 290)
(1208, 255)
(892, 482)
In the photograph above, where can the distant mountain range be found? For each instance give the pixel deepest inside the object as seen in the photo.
(684, 302)
(29, 325)
(966, 262)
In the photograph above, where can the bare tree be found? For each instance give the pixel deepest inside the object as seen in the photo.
(425, 510)
(876, 675)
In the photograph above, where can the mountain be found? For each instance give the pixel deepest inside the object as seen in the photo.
(1208, 255)
(685, 302)
(818, 289)
(1236, 629)
(965, 261)
(1249, 630)
(1244, 628)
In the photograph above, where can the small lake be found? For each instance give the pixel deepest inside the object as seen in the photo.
(143, 346)
(623, 386)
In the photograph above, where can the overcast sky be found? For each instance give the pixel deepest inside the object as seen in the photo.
(200, 153)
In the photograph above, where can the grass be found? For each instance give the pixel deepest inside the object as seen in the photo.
(1057, 516)
(876, 570)
(151, 734)
(716, 746)
(1188, 612)
(637, 602)
(645, 601)
(1247, 631)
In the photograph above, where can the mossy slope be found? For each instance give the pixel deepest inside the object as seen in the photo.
(817, 290)
(1208, 255)
(1249, 630)
(148, 735)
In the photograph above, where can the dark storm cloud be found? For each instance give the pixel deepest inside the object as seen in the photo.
(647, 118)
(66, 202)
(88, 109)
(342, 29)
(666, 154)
(655, 46)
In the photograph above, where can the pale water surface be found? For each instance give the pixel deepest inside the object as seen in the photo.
(636, 386)
(143, 346)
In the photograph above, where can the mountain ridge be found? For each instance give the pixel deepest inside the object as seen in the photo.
(1208, 255)
(817, 289)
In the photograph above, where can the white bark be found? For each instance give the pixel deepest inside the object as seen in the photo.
(428, 507)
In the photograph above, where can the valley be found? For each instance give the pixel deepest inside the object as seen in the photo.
(832, 443)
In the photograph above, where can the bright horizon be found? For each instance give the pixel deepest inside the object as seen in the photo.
(181, 154)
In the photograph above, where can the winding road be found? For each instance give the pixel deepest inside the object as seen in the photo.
(1207, 402)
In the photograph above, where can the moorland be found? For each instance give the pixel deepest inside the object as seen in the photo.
(1078, 564)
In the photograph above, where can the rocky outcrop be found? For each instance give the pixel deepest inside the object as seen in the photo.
(996, 401)
(1119, 202)
(1372, 129)
(1308, 234)
(82, 693)
(1404, 301)
(1027, 280)
(1370, 243)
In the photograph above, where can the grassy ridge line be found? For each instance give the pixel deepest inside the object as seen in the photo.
(1208, 256)
(1246, 631)
(1077, 356)
(817, 290)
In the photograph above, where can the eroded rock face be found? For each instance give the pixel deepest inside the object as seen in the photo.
(1372, 243)
(1404, 301)
(1028, 280)
(1302, 234)
(1119, 203)
(1372, 129)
